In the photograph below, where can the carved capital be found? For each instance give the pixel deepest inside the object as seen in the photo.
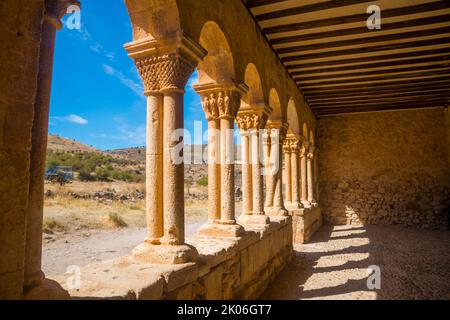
(55, 10)
(220, 101)
(165, 64)
(304, 149)
(248, 121)
(170, 71)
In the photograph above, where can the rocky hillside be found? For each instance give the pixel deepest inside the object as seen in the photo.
(58, 144)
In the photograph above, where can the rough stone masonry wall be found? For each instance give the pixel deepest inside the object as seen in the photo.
(385, 168)
(228, 268)
(20, 26)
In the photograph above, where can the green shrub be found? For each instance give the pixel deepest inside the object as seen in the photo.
(203, 181)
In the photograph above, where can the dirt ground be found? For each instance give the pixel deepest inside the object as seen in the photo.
(414, 264)
(80, 231)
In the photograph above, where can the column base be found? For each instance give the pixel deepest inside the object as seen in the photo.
(306, 203)
(164, 254)
(253, 219)
(294, 206)
(46, 290)
(276, 211)
(221, 230)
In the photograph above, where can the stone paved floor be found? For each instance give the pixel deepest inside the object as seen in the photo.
(414, 264)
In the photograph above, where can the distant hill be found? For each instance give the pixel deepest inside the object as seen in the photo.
(57, 143)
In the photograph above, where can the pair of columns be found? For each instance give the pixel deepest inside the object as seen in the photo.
(303, 153)
(273, 139)
(221, 103)
(165, 67)
(250, 121)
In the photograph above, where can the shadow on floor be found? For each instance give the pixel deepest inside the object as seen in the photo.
(413, 264)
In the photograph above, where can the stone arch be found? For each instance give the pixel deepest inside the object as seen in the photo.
(153, 19)
(305, 131)
(312, 138)
(218, 65)
(255, 94)
(275, 104)
(292, 117)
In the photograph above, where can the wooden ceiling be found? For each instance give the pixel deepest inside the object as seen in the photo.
(343, 67)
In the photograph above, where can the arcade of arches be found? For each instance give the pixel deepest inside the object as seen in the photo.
(331, 151)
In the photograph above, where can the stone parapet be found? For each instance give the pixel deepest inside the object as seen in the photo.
(305, 222)
(227, 268)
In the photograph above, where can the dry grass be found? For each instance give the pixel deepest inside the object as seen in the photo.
(64, 213)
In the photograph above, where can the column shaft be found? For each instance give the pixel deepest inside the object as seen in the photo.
(227, 171)
(304, 191)
(258, 202)
(247, 201)
(288, 176)
(268, 172)
(173, 169)
(154, 169)
(33, 249)
(278, 202)
(213, 170)
(295, 178)
(310, 180)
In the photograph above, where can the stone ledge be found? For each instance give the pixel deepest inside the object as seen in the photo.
(227, 268)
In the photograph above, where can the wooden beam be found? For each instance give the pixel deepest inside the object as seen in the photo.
(412, 97)
(436, 102)
(377, 58)
(358, 95)
(438, 66)
(344, 52)
(365, 40)
(377, 78)
(395, 63)
(259, 3)
(362, 30)
(375, 85)
(333, 4)
(390, 13)
(324, 113)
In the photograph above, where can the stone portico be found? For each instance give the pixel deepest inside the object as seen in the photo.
(291, 93)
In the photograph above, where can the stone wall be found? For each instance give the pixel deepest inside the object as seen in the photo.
(385, 168)
(228, 268)
(20, 26)
(305, 222)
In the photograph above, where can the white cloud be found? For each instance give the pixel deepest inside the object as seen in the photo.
(133, 85)
(73, 118)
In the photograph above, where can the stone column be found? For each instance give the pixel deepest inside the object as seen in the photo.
(222, 102)
(295, 149)
(250, 122)
(258, 201)
(268, 202)
(228, 103)
(173, 175)
(278, 134)
(247, 194)
(310, 175)
(165, 66)
(288, 171)
(316, 174)
(154, 168)
(213, 168)
(34, 284)
(303, 170)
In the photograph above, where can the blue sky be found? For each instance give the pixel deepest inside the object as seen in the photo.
(97, 93)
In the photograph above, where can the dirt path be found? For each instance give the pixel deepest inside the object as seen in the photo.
(87, 246)
(414, 264)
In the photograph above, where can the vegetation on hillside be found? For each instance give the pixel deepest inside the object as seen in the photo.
(95, 166)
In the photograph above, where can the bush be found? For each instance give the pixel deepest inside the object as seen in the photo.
(93, 166)
(203, 181)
